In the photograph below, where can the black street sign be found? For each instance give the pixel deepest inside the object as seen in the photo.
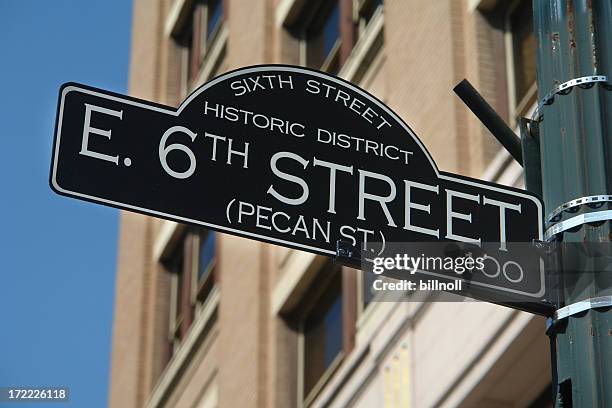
(284, 155)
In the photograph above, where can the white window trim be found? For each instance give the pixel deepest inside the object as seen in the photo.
(169, 233)
(364, 314)
(210, 398)
(175, 22)
(173, 310)
(179, 11)
(213, 54)
(363, 46)
(287, 11)
(366, 357)
(509, 52)
(195, 284)
(307, 400)
(329, 59)
(513, 325)
(473, 5)
(515, 106)
(296, 274)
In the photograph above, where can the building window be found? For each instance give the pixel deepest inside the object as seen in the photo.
(322, 332)
(196, 38)
(213, 12)
(326, 323)
(329, 30)
(191, 265)
(322, 37)
(521, 46)
(177, 266)
(205, 264)
(186, 57)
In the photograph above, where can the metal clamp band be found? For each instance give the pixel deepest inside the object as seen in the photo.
(582, 306)
(575, 308)
(577, 221)
(571, 205)
(585, 82)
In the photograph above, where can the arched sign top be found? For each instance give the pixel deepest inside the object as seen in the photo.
(327, 93)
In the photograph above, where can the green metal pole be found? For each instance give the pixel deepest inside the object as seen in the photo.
(575, 134)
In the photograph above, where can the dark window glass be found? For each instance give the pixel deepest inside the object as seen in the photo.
(195, 38)
(322, 34)
(207, 254)
(331, 30)
(186, 59)
(215, 15)
(524, 48)
(323, 332)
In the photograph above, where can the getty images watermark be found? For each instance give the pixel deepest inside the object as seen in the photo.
(412, 264)
(512, 272)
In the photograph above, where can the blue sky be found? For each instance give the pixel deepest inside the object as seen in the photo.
(57, 270)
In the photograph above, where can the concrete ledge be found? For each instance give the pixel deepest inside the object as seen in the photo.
(169, 233)
(179, 11)
(189, 346)
(297, 273)
(288, 11)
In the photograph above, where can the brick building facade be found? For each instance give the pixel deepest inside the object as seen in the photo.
(206, 320)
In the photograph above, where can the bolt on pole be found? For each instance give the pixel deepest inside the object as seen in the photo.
(574, 119)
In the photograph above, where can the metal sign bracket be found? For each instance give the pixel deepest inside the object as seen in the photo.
(348, 254)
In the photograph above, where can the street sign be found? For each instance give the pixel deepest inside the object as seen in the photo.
(284, 155)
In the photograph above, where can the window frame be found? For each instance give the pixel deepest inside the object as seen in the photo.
(516, 107)
(318, 286)
(176, 315)
(207, 41)
(347, 35)
(175, 321)
(332, 58)
(362, 308)
(190, 34)
(308, 20)
(307, 400)
(201, 288)
(181, 316)
(185, 45)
